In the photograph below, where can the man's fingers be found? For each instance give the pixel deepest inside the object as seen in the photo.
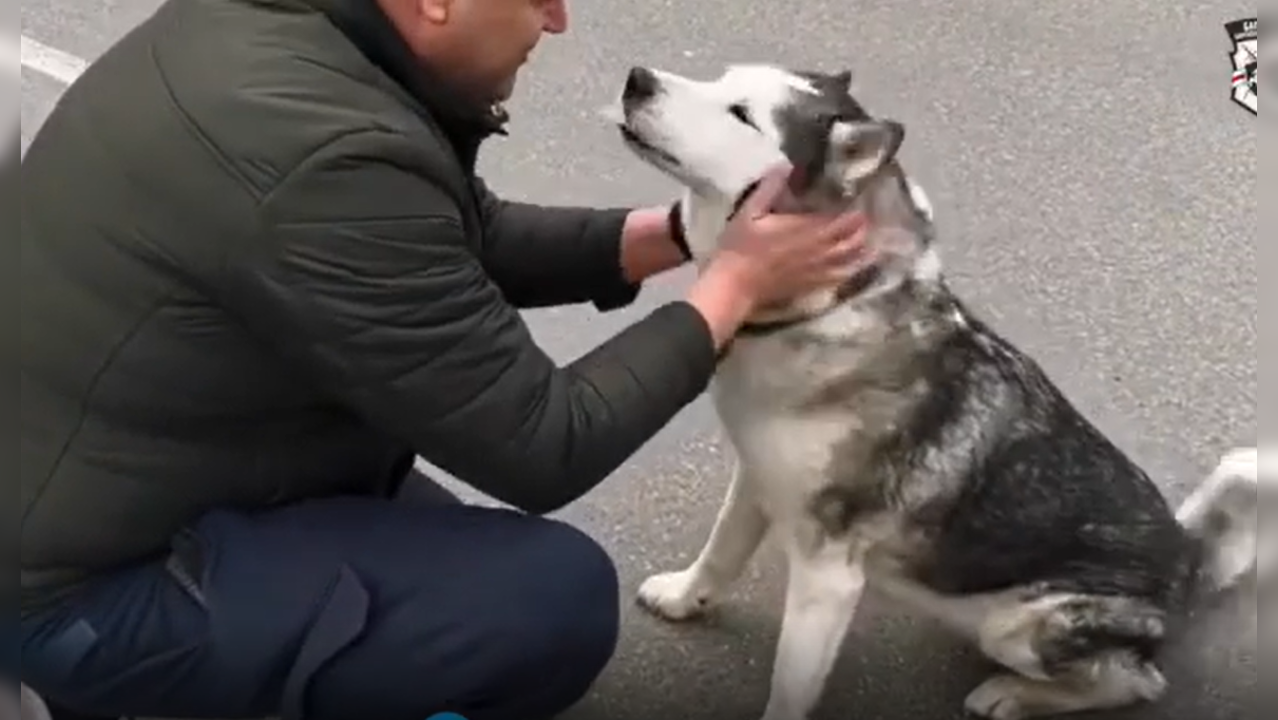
(851, 249)
(845, 225)
(849, 263)
(770, 187)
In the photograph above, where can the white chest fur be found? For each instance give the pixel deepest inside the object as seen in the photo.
(785, 449)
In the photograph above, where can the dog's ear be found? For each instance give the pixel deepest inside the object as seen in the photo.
(807, 146)
(860, 149)
(841, 81)
(831, 84)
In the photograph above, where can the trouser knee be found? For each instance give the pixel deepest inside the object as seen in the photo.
(519, 635)
(568, 634)
(565, 631)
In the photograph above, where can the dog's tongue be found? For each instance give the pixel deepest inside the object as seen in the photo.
(796, 184)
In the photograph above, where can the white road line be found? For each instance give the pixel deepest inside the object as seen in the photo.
(9, 52)
(61, 66)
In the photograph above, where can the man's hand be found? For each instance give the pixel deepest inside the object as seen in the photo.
(648, 247)
(766, 258)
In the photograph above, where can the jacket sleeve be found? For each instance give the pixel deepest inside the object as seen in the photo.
(543, 256)
(387, 307)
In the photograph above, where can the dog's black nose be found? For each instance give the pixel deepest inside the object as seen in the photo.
(641, 85)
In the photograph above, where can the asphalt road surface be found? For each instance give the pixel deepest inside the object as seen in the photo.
(1095, 194)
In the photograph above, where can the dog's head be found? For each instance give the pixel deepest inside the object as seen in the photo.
(719, 137)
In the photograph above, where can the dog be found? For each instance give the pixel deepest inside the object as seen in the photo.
(887, 438)
(29, 705)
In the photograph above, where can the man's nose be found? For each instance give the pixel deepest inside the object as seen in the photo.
(556, 17)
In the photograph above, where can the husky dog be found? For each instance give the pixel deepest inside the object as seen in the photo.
(30, 705)
(888, 438)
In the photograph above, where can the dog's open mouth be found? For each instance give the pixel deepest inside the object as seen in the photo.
(645, 147)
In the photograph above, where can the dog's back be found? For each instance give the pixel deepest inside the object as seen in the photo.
(1003, 482)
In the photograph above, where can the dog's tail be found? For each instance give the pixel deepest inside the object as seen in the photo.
(1223, 517)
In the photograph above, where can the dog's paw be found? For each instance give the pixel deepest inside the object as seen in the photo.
(774, 714)
(999, 698)
(675, 595)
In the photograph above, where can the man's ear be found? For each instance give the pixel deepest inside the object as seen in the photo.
(435, 11)
(860, 149)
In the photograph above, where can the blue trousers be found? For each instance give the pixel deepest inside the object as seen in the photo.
(341, 609)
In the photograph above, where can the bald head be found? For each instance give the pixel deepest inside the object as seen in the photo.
(477, 45)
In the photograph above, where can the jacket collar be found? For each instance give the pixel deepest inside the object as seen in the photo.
(366, 25)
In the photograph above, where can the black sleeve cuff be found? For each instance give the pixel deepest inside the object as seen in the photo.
(616, 293)
(677, 232)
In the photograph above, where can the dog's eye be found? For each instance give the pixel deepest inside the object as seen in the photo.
(742, 113)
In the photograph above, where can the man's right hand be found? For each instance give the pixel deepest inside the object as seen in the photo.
(766, 259)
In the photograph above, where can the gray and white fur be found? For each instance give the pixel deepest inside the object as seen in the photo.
(29, 705)
(887, 437)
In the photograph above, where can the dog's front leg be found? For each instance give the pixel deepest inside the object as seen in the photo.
(822, 596)
(738, 531)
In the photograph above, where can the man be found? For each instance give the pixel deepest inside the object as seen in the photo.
(259, 277)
